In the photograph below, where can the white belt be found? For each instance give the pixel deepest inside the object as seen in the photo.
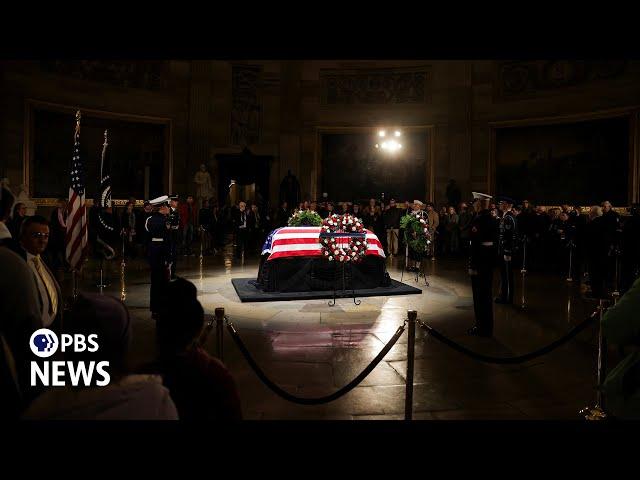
(157, 239)
(487, 244)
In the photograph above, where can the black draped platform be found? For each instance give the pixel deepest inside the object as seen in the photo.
(248, 291)
(307, 274)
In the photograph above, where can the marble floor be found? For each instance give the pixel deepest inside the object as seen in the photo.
(312, 349)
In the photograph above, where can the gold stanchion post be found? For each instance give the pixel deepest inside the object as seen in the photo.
(219, 314)
(597, 411)
(412, 315)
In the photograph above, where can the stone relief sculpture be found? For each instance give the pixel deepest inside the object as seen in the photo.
(204, 187)
(393, 86)
(246, 109)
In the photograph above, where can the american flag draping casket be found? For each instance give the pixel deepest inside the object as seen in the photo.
(305, 242)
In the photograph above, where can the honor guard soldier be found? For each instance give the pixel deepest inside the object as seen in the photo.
(174, 232)
(507, 241)
(158, 227)
(483, 237)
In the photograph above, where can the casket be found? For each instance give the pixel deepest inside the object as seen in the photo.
(292, 261)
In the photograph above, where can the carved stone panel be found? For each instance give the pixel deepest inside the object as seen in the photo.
(523, 78)
(148, 75)
(375, 87)
(246, 108)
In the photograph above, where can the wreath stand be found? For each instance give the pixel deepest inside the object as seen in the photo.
(339, 274)
(422, 272)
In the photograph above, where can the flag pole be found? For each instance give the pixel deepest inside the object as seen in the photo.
(74, 272)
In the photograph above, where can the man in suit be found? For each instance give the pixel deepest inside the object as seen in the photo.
(34, 237)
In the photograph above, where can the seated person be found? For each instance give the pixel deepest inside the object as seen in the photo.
(201, 386)
(127, 397)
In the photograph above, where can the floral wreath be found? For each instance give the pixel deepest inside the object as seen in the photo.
(331, 250)
(416, 231)
(305, 218)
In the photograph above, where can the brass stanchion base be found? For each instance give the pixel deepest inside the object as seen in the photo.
(593, 413)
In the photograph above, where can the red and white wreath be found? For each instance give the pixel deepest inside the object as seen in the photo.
(337, 250)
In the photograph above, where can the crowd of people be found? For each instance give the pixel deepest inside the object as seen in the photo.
(183, 382)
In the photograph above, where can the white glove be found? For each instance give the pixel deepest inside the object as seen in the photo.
(507, 258)
(473, 272)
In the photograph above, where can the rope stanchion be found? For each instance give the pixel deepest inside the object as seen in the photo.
(597, 412)
(312, 401)
(511, 360)
(412, 316)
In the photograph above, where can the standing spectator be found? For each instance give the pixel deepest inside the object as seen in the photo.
(187, 224)
(391, 219)
(372, 218)
(443, 231)
(453, 193)
(453, 229)
(597, 250)
(257, 228)
(242, 229)
(434, 222)
(18, 216)
(57, 234)
(464, 226)
(205, 216)
(356, 210)
(128, 221)
(282, 215)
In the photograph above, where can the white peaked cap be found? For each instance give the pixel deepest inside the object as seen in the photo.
(159, 200)
(481, 195)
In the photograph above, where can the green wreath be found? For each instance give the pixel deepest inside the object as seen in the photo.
(416, 232)
(305, 218)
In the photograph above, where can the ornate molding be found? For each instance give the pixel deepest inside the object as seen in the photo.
(518, 79)
(376, 86)
(146, 75)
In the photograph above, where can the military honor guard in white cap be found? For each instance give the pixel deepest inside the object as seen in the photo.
(158, 251)
(483, 244)
(507, 242)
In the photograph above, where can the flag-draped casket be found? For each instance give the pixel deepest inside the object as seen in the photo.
(293, 260)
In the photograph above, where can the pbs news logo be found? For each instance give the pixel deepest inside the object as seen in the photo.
(58, 373)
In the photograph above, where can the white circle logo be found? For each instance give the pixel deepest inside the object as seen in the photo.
(44, 343)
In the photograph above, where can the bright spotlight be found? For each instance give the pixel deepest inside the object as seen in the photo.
(377, 146)
(397, 133)
(382, 133)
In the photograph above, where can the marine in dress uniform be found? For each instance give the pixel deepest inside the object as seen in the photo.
(483, 237)
(174, 235)
(158, 251)
(507, 241)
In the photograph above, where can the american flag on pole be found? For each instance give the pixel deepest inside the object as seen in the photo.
(305, 242)
(76, 239)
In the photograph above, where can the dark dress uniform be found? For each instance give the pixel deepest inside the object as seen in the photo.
(483, 238)
(507, 241)
(159, 255)
(174, 228)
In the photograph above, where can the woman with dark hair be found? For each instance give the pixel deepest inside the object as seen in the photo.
(200, 385)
